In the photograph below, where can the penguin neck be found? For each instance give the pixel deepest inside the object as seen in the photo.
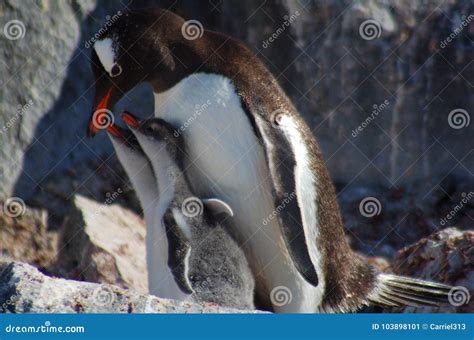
(169, 176)
(165, 178)
(140, 174)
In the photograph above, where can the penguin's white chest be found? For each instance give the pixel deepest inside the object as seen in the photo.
(224, 154)
(227, 161)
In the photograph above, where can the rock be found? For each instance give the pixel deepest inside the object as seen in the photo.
(23, 289)
(37, 63)
(45, 79)
(24, 235)
(104, 243)
(446, 256)
(404, 215)
(95, 179)
(379, 263)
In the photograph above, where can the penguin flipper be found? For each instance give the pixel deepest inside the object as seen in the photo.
(217, 206)
(179, 251)
(397, 291)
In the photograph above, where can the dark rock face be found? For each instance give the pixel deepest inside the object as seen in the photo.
(402, 216)
(46, 91)
(43, 68)
(99, 179)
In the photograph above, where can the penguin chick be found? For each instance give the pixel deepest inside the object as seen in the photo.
(204, 260)
(140, 173)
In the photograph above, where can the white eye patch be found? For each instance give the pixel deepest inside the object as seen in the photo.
(106, 53)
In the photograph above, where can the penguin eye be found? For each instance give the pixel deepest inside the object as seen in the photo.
(116, 70)
(150, 129)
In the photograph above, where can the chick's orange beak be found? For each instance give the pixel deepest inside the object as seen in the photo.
(119, 134)
(130, 120)
(114, 131)
(102, 117)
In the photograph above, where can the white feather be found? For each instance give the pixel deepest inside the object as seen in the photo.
(105, 52)
(184, 226)
(306, 195)
(182, 223)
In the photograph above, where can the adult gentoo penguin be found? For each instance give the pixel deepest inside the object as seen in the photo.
(204, 263)
(249, 147)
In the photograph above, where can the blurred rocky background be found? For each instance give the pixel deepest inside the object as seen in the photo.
(386, 86)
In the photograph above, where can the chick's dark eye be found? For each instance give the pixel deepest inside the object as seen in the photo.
(116, 70)
(150, 129)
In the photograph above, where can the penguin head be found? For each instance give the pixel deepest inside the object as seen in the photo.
(157, 132)
(134, 47)
(123, 137)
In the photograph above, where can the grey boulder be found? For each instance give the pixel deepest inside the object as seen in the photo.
(24, 289)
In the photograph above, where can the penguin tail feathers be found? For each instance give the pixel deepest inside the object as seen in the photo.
(397, 291)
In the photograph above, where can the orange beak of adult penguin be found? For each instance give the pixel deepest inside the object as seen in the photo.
(102, 116)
